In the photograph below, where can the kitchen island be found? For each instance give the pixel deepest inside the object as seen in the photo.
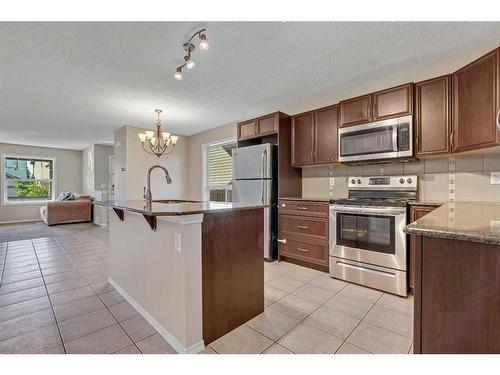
(194, 270)
(457, 279)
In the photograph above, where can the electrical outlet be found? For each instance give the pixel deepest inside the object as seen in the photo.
(332, 181)
(495, 178)
(495, 225)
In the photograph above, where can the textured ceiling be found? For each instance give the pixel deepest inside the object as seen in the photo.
(71, 84)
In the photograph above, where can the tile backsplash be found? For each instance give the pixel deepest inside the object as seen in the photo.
(464, 177)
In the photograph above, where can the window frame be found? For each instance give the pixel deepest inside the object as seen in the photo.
(205, 187)
(3, 180)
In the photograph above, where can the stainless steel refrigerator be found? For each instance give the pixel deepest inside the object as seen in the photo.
(255, 181)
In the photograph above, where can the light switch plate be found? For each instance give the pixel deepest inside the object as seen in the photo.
(332, 181)
(495, 178)
(178, 242)
(495, 225)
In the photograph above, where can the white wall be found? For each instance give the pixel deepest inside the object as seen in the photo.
(68, 176)
(130, 155)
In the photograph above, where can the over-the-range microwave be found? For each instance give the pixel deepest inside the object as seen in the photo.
(377, 141)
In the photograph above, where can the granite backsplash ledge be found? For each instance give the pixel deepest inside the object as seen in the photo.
(465, 177)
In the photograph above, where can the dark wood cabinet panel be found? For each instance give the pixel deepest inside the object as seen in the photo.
(303, 208)
(303, 139)
(356, 110)
(393, 102)
(267, 125)
(247, 129)
(433, 116)
(416, 212)
(475, 104)
(305, 251)
(326, 135)
(457, 303)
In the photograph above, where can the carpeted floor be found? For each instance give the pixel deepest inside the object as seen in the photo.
(24, 231)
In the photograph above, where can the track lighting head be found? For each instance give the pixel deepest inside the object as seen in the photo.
(203, 42)
(178, 74)
(189, 63)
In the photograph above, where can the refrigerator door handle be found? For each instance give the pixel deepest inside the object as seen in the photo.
(264, 161)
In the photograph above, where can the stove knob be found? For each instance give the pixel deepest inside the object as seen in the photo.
(353, 181)
(359, 181)
(409, 180)
(401, 180)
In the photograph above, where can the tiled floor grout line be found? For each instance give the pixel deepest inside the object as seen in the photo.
(50, 300)
(106, 306)
(362, 319)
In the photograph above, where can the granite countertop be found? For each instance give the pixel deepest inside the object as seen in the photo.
(464, 221)
(426, 202)
(176, 207)
(317, 199)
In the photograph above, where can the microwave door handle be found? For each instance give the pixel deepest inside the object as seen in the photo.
(395, 138)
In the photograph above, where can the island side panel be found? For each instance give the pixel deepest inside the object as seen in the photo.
(232, 270)
(458, 294)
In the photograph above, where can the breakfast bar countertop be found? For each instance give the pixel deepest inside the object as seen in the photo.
(176, 207)
(464, 221)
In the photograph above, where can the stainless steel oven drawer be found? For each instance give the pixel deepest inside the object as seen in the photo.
(381, 278)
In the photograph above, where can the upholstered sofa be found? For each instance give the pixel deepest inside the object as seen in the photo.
(70, 211)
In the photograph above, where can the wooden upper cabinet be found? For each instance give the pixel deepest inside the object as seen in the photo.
(433, 116)
(356, 110)
(381, 105)
(268, 124)
(247, 129)
(476, 103)
(259, 126)
(393, 102)
(303, 139)
(326, 135)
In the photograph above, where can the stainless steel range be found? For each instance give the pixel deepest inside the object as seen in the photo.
(367, 243)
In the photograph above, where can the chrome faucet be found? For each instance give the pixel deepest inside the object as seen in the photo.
(147, 190)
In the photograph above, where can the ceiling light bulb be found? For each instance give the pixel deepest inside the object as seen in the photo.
(153, 140)
(203, 42)
(174, 139)
(149, 134)
(190, 64)
(178, 74)
(165, 135)
(142, 137)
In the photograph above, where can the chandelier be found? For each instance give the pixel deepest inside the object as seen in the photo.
(157, 142)
(189, 48)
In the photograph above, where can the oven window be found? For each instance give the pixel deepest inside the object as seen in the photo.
(367, 232)
(371, 141)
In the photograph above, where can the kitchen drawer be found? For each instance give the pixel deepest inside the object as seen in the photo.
(303, 208)
(302, 227)
(311, 253)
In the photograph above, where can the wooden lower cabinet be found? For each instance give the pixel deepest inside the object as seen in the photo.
(457, 298)
(416, 212)
(303, 233)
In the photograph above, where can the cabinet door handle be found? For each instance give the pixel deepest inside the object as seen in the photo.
(302, 208)
(451, 141)
(498, 120)
(302, 227)
(303, 250)
(282, 241)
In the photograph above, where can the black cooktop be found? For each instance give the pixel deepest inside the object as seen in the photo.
(372, 202)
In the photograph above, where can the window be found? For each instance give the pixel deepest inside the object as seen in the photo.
(27, 179)
(219, 171)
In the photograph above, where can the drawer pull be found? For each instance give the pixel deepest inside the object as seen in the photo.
(303, 250)
(302, 227)
(282, 241)
(302, 208)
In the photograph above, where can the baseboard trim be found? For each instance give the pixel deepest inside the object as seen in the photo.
(21, 221)
(196, 348)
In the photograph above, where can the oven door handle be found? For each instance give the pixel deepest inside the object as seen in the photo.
(368, 211)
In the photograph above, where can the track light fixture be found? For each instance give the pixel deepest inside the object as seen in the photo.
(189, 48)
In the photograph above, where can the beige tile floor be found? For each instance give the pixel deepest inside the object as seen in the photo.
(309, 312)
(55, 298)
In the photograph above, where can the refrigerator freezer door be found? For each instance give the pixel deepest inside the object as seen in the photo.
(258, 192)
(252, 162)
